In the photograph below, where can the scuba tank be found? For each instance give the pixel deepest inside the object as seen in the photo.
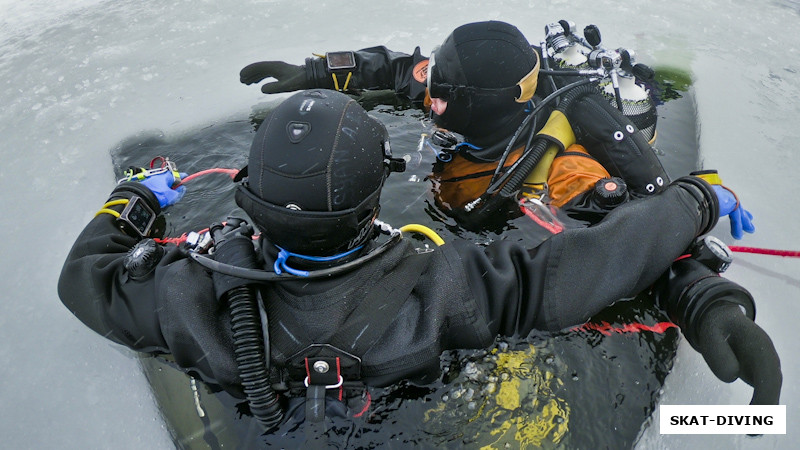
(623, 79)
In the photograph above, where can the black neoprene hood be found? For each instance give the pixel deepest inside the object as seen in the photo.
(476, 70)
(315, 172)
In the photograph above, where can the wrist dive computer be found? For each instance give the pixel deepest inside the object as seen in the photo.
(137, 218)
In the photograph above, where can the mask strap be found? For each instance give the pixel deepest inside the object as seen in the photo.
(527, 85)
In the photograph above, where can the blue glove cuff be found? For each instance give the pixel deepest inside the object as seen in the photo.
(161, 186)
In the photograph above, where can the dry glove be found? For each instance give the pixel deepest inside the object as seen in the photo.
(289, 77)
(161, 184)
(735, 347)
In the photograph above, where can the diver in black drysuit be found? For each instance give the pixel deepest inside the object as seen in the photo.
(489, 78)
(316, 169)
(487, 74)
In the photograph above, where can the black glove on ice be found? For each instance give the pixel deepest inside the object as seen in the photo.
(289, 77)
(735, 347)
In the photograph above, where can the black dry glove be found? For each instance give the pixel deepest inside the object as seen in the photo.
(735, 347)
(290, 77)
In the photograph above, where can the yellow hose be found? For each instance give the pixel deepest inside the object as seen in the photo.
(422, 229)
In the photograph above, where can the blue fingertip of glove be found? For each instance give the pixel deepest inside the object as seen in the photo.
(161, 186)
(740, 218)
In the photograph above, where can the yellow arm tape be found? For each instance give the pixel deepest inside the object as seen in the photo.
(712, 178)
(106, 210)
(122, 201)
(558, 129)
(422, 229)
(347, 81)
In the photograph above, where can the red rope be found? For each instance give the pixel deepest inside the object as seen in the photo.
(766, 251)
(635, 327)
(231, 172)
(366, 405)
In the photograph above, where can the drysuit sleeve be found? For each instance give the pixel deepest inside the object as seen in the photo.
(377, 68)
(171, 309)
(578, 272)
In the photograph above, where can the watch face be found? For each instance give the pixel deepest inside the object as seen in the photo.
(340, 60)
(139, 216)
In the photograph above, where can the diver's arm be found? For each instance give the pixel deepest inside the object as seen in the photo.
(578, 272)
(171, 309)
(376, 68)
(717, 317)
(94, 285)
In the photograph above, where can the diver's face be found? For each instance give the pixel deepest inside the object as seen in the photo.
(438, 106)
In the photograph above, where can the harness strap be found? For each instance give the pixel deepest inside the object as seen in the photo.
(322, 373)
(315, 403)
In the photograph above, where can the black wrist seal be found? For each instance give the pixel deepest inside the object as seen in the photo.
(707, 201)
(127, 188)
(689, 289)
(317, 74)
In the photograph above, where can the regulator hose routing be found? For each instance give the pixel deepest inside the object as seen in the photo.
(250, 351)
(534, 148)
(535, 153)
(250, 344)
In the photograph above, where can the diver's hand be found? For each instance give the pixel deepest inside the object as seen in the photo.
(741, 219)
(735, 347)
(289, 77)
(729, 205)
(163, 186)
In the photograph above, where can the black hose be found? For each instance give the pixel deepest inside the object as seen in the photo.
(496, 182)
(573, 94)
(265, 276)
(534, 154)
(535, 149)
(250, 344)
(250, 350)
(524, 168)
